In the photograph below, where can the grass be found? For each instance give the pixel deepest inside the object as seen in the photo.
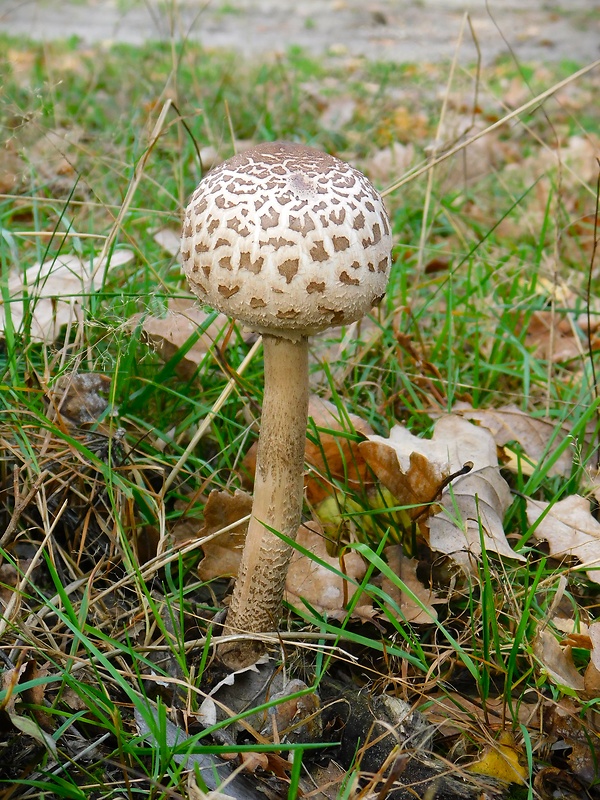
(106, 622)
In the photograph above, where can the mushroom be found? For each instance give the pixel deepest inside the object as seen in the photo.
(289, 241)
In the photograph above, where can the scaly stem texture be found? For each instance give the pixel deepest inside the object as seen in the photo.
(278, 491)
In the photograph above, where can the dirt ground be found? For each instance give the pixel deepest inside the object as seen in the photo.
(397, 30)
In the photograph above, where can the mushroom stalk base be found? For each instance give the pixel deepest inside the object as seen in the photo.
(278, 491)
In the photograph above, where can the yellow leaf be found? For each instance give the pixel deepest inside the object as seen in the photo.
(501, 761)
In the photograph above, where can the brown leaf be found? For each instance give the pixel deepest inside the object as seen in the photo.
(419, 485)
(557, 662)
(12, 168)
(10, 577)
(406, 569)
(390, 163)
(570, 530)
(452, 713)
(334, 457)
(322, 589)
(473, 510)
(510, 424)
(184, 317)
(54, 292)
(454, 443)
(577, 732)
(10, 679)
(223, 553)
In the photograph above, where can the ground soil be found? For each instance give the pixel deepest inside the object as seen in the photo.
(396, 30)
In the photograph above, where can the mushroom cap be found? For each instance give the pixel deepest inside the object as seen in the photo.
(287, 239)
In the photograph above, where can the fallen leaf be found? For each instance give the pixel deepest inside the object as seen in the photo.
(43, 289)
(295, 718)
(338, 113)
(574, 731)
(472, 513)
(169, 333)
(502, 760)
(452, 713)
(570, 530)
(580, 155)
(591, 676)
(54, 156)
(169, 239)
(414, 469)
(557, 662)
(223, 553)
(334, 457)
(420, 484)
(454, 442)
(510, 424)
(12, 168)
(323, 589)
(10, 578)
(10, 679)
(552, 782)
(406, 570)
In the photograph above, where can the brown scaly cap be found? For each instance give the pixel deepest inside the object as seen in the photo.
(288, 240)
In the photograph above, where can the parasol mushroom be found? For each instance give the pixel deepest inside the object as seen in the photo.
(290, 241)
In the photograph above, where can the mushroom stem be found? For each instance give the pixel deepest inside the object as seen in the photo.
(277, 505)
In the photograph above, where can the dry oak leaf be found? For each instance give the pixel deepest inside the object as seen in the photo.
(557, 661)
(392, 161)
(184, 318)
(334, 457)
(414, 469)
(473, 510)
(570, 530)
(406, 569)
(322, 588)
(510, 424)
(53, 292)
(223, 551)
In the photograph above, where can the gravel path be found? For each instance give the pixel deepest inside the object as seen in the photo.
(398, 30)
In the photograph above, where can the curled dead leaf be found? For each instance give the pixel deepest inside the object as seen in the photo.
(222, 554)
(502, 760)
(553, 336)
(334, 457)
(534, 435)
(557, 662)
(79, 398)
(183, 319)
(53, 293)
(570, 530)
(322, 588)
(406, 570)
(472, 513)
